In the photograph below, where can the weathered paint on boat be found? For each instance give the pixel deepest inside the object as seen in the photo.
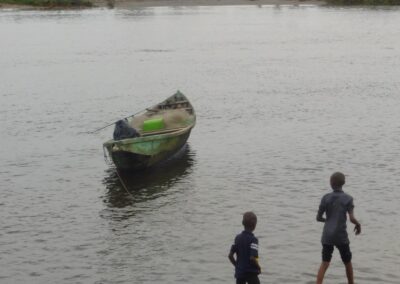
(153, 148)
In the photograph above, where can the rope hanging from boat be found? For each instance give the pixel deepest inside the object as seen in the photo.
(105, 156)
(119, 177)
(123, 184)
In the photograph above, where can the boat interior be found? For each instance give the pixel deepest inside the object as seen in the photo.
(169, 116)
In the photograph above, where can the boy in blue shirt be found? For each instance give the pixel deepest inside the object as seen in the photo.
(336, 205)
(246, 249)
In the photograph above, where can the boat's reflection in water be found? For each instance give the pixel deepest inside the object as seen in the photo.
(127, 188)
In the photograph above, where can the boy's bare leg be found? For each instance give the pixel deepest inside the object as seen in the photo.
(349, 273)
(321, 272)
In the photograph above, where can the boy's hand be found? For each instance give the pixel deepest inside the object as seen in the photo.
(357, 229)
(255, 260)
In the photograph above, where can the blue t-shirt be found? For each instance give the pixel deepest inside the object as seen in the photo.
(335, 205)
(245, 246)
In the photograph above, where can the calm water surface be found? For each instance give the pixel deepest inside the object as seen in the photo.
(284, 97)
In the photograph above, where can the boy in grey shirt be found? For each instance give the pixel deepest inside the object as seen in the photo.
(336, 205)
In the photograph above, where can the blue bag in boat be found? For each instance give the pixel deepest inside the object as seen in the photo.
(123, 130)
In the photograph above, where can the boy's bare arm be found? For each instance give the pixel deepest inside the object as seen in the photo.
(232, 259)
(357, 228)
(321, 211)
(320, 214)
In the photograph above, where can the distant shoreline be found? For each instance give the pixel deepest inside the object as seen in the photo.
(182, 3)
(45, 4)
(172, 3)
(131, 4)
(176, 3)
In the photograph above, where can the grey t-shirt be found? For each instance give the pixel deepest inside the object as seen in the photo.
(335, 205)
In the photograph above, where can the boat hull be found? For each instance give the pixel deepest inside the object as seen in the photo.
(140, 155)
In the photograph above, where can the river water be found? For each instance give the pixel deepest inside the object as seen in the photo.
(284, 97)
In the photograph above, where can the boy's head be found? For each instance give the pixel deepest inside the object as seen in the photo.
(337, 180)
(249, 221)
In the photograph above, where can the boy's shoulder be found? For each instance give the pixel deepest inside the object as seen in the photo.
(326, 196)
(245, 235)
(348, 195)
(343, 195)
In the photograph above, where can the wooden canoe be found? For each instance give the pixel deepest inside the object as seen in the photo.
(154, 146)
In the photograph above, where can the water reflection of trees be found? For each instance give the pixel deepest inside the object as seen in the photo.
(127, 188)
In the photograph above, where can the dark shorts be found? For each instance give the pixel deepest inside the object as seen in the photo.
(250, 278)
(344, 250)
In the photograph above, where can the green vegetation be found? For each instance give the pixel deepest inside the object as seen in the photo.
(364, 2)
(49, 3)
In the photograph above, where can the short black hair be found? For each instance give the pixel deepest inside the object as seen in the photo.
(249, 220)
(337, 180)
